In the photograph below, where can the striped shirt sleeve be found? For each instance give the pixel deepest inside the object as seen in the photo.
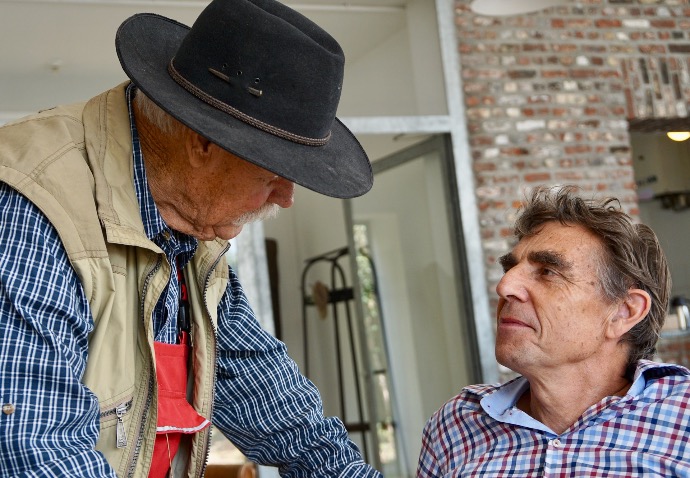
(50, 423)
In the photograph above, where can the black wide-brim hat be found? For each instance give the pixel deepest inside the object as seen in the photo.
(256, 78)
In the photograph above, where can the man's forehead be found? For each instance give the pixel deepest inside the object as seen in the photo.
(565, 240)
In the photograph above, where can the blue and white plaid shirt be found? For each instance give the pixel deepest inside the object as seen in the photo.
(645, 433)
(49, 423)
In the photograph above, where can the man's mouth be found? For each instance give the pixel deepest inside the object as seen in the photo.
(511, 322)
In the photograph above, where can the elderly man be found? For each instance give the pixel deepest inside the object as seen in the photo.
(123, 333)
(581, 303)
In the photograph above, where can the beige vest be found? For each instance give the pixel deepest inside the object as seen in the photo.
(75, 164)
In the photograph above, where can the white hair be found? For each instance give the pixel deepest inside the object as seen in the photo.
(155, 114)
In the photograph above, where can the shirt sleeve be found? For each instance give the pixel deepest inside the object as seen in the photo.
(269, 410)
(428, 466)
(49, 422)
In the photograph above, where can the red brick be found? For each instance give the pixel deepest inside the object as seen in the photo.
(554, 74)
(577, 149)
(522, 74)
(608, 23)
(652, 49)
(569, 176)
(514, 151)
(583, 73)
(481, 141)
(565, 47)
(535, 47)
(472, 101)
(579, 24)
(666, 23)
(537, 177)
(479, 167)
(679, 48)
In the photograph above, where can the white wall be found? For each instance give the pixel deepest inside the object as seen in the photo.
(402, 75)
(380, 83)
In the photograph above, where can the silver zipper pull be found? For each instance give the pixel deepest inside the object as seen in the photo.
(120, 411)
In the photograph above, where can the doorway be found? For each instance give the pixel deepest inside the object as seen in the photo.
(408, 226)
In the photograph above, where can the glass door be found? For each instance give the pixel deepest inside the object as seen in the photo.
(413, 296)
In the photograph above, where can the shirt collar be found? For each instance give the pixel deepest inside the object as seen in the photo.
(499, 404)
(649, 370)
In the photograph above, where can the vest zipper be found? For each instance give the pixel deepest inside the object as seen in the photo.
(119, 411)
(215, 354)
(149, 391)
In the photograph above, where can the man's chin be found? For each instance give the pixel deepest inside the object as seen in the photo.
(267, 211)
(230, 232)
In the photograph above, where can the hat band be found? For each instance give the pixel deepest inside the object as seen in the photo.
(206, 98)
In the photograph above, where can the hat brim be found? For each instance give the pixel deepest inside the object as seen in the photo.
(146, 43)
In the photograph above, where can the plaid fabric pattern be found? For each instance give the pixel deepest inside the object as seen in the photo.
(262, 404)
(644, 434)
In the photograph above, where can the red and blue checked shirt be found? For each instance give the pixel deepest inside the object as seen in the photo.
(50, 422)
(646, 433)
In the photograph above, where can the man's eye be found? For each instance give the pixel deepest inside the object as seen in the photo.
(545, 271)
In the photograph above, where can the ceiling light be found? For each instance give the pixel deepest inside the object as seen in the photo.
(678, 135)
(512, 7)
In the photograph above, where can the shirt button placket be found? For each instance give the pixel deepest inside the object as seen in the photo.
(553, 457)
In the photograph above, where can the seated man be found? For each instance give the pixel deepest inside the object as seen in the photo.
(581, 303)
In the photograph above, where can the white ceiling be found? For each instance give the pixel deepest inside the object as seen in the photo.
(58, 51)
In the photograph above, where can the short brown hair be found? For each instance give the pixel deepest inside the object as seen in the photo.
(632, 257)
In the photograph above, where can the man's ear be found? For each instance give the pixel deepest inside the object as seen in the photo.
(197, 148)
(632, 309)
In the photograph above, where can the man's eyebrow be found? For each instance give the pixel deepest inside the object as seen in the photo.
(550, 258)
(507, 261)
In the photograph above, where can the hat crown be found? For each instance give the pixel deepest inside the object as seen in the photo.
(257, 79)
(265, 61)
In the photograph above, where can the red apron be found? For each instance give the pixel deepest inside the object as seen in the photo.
(175, 415)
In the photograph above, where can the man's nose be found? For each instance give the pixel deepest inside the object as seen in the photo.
(283, 193)
(512, 284)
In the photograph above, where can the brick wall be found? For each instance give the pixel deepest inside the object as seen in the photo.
(549, 95)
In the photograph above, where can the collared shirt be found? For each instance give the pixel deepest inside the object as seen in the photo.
(645, 433)
(49, 421)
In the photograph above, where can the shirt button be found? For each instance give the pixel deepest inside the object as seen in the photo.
(166, 235)
(8, 409)
(556, 443)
